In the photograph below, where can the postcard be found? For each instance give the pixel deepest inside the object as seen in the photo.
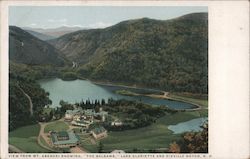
(124, 79)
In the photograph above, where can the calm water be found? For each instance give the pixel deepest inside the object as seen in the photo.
(191, 125)
(77, 90)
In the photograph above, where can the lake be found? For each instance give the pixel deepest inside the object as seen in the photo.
(191, 125)
(78, 90)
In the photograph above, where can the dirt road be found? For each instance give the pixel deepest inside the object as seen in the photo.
(14, 149)
(30, 101)
(77, 149)
(44, 136)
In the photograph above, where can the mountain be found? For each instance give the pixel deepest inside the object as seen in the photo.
(54, 32)
(27, 49)
(166, 54)
(40, 36)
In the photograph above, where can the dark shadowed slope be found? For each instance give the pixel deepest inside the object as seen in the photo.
(26, 48)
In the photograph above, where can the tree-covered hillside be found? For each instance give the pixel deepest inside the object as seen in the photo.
(170, 55)
(20, 89)
(26, 48)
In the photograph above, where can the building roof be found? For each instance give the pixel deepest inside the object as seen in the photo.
(99, 130)
(74, 111)
(62, 134)
(73, 138)
(82, 122)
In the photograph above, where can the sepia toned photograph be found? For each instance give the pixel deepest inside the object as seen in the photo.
(108, 79)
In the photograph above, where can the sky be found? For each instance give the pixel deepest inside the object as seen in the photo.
(91, 16)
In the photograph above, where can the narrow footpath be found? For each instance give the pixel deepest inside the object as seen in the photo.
(30, 101)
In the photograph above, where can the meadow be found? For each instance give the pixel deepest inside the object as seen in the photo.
(147, 138)
(25, 139)
(56, 126)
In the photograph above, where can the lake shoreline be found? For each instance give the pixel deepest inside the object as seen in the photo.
(116, 84)
(165, 95)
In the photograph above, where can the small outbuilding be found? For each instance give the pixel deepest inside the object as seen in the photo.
(99, 132)
(64, 139)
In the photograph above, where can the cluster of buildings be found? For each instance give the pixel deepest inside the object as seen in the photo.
(84, 118)
(88, 120)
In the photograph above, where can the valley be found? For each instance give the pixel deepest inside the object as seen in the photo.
(145, 75)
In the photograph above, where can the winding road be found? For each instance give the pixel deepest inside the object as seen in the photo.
(30, 101)
(43, 135)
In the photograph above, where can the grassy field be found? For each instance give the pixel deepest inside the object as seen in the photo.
(86, 143)
(56, 126)
(43, 142)
(25, 138)
(201, 102)
(155, 136)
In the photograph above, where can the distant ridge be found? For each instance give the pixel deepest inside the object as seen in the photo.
(54, 32)
(40, 36)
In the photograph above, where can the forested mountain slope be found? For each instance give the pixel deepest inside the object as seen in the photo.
(171, 54)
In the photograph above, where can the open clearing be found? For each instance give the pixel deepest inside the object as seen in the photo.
(25, 139)
(56, 126)
(154, 136)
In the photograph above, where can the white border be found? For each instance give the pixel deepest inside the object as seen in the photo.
(228, 74)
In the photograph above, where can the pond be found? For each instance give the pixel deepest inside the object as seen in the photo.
(78, 90)
(191, 125)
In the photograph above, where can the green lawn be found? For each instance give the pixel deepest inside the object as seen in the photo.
(56, 126)
(26, 131)
(25, 138)
(154, 136)
(44, 143)
(201, 102)
(86, 143)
